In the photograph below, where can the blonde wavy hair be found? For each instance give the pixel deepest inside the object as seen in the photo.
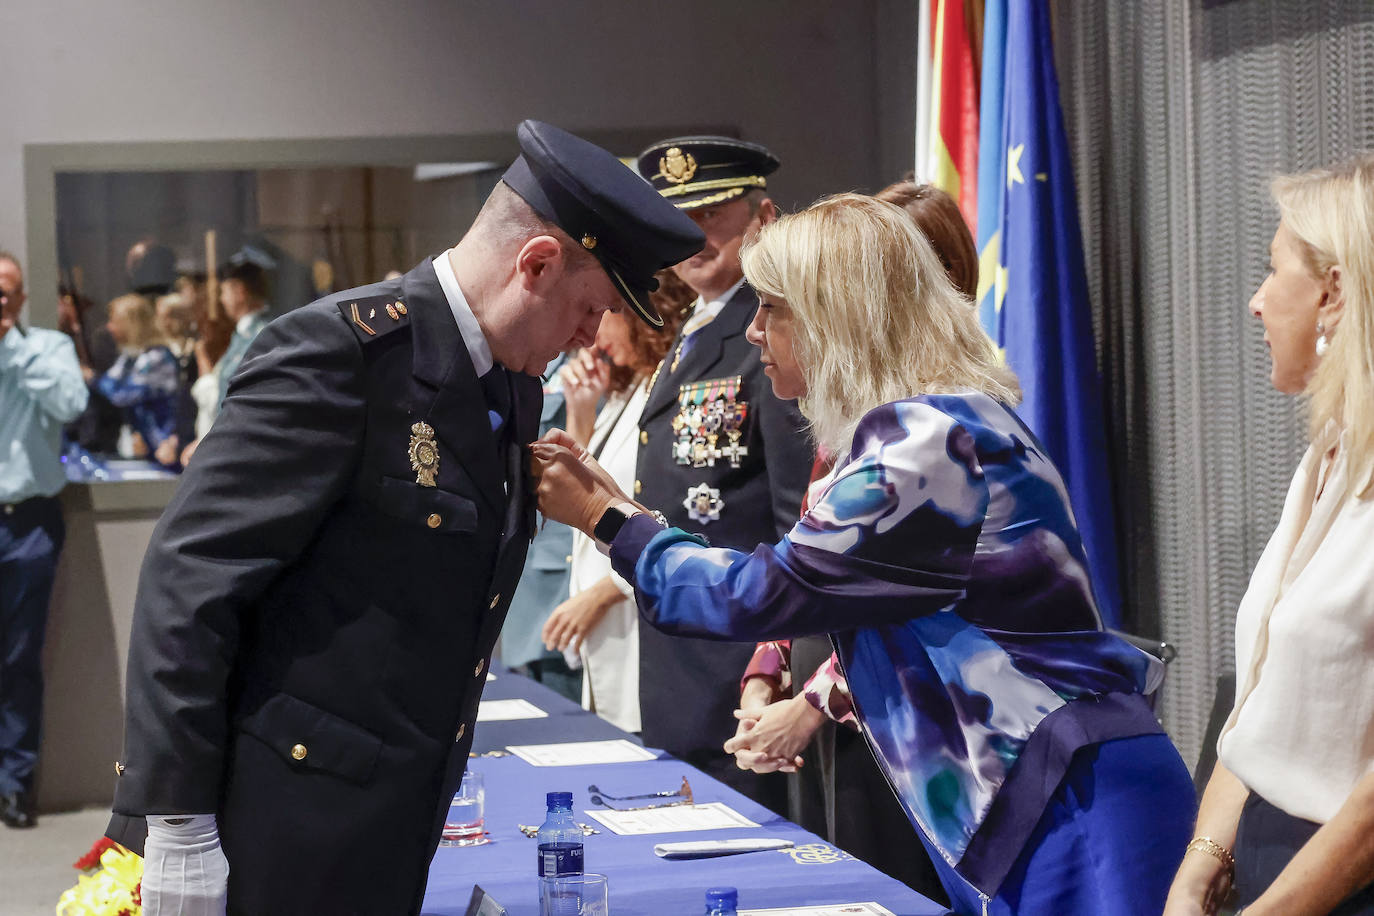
(1331, 212)
(140, 321)
(876, 317)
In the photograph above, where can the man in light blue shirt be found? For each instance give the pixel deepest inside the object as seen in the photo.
(40, 389)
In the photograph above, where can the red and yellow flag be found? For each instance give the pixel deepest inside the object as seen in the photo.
(953, 155)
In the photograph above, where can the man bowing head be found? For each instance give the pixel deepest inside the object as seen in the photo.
(319, 602)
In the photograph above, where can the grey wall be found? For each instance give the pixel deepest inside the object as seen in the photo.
(822, 83)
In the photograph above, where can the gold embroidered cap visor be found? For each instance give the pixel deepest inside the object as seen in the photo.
(591, 195)
(694, 172)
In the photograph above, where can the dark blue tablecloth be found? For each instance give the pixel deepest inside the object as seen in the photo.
(641, 884)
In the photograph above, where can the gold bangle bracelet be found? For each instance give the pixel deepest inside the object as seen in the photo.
(1215, 850)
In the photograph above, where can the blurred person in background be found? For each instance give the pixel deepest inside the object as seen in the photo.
(41, 388)
(151, 268)
(214, 331)
(243, 297)
(599, 620)
(1287, 818)
(176, 322)
(544, 582)
(242, 315)
(97, 428)
(145, 380)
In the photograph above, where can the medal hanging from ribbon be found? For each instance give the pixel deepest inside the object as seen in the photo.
(709, 411)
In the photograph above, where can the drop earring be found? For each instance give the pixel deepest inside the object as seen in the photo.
(1322, 343)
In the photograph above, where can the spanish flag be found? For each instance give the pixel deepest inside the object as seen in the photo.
(952, 163)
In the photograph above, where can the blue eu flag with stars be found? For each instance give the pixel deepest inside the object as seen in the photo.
(1043, 323)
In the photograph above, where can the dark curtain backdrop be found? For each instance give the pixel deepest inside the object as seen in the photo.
(1178, 114)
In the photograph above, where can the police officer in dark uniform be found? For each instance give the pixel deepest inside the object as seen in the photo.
(319, 602)
(718, 453)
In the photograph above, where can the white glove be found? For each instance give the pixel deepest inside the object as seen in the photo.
(185, 872)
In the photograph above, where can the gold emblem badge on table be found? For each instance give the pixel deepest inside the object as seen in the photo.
(817, 854)
(424, 454)
(710, 423)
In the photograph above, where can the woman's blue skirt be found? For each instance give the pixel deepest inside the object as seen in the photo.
(1109, 842)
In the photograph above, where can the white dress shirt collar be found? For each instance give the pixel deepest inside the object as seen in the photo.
(473, 338)
(703, 314)
(245, 325)
(713, 307)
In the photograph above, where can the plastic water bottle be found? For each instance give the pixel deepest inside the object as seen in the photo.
(560, 839)
(721, 901)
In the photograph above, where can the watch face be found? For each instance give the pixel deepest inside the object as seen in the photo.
(610, 524)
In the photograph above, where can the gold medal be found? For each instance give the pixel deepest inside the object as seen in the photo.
(424, 454)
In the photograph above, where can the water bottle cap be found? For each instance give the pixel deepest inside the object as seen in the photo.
(722, 895)
(559, 800)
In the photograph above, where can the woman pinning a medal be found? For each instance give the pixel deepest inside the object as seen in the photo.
(942, 558)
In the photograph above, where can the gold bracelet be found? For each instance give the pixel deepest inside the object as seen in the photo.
(1215, 850)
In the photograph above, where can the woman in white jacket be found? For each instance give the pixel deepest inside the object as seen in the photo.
(599, 620)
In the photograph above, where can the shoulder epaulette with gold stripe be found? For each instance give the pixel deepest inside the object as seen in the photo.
(374, 316)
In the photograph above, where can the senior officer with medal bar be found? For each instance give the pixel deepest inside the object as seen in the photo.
(319, 602)
(718, 453)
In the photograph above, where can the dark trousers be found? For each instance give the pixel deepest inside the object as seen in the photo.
(1266, 840)
(553, 672)
(31, 534)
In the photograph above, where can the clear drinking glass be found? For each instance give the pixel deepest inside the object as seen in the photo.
(573, 895)
(465, 823)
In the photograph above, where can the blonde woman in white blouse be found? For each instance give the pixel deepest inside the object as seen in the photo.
(1288, 815)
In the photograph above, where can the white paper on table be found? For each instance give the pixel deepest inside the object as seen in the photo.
(502, 710)
(672, 819)
(490, 677)
(581, 753)
(829, 909)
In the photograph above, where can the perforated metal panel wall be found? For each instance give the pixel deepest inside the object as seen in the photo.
(1178, 114)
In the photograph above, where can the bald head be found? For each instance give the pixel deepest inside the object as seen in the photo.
(11, 286)
(534, 291)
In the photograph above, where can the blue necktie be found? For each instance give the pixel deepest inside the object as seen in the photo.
(496, 387)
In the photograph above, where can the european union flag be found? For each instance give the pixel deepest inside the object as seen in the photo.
(1044, 324)
(992, 161)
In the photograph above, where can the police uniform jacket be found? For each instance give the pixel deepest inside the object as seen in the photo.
(313, 626)
(760, 500)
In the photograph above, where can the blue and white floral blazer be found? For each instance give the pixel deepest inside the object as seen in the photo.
(943, 560)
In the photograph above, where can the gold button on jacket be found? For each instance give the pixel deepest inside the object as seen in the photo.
(298, 752)
(434, 521)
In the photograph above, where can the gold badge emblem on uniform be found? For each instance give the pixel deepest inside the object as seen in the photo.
(678, 167)
(710, 423)
(703, 503)
(424, 454)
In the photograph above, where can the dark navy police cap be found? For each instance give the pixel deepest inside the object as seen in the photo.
(600, 202)
(703, 171)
